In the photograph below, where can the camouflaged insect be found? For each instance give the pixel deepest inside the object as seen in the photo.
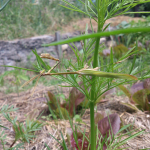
(48, 56)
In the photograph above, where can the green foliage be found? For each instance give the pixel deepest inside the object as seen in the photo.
(5, 109)
(139, 94)
(107, 132)
(119, 50)
(139, 48)
(25, 19)
(25, 133)
(17, 76)
(128, 39)
(143, 7)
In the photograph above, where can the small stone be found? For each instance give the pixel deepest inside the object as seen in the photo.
(64, 47)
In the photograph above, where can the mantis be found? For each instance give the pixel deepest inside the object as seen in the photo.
(83, 71)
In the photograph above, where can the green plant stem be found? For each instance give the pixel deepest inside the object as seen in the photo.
(95, 62)
(92, 123)
(4, 5)
(93, 98)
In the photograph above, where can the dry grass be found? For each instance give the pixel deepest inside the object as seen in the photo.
(36, 104)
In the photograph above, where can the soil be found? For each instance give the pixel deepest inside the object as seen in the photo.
(33, 105)
(79, 25)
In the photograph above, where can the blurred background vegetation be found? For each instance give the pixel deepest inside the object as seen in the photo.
(26, 18)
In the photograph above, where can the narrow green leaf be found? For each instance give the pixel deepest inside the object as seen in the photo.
(127, 139)
(56, 139)
(99, 34)
(140, 12)
(40, 61)
(63, 143)
(3, 127)
(106, 26)
(133, 63)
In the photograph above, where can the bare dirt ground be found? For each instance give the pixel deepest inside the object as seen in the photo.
(79, 25)
(36, 104)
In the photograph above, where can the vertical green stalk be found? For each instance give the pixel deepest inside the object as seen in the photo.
(93, 89)
(93, 98)
(92, 123)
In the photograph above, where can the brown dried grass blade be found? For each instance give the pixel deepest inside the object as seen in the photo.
(35, 85)
(26, 83)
